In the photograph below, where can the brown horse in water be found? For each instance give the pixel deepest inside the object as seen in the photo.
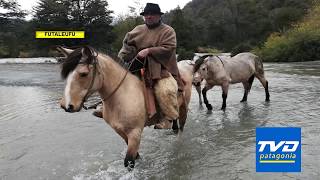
(122, 93)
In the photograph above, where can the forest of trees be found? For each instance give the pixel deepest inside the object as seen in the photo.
(202, 25)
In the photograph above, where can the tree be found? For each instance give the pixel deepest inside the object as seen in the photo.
(12, 9)
(299, 43)
(10, 19)
(186, 42)
(232, 24)
(123, 26)
(126, 23)
(92, 16)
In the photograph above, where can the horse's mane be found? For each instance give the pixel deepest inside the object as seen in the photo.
(73, 59)
(199, 62)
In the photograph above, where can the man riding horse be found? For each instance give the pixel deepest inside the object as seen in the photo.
(154, 43)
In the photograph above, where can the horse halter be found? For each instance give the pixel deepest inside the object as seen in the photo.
(94, 63)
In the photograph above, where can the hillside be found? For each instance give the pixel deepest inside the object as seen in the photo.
(234, 25)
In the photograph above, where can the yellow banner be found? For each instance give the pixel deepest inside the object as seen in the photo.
(59, 34)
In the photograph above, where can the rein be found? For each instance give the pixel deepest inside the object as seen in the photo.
(120, 83)
(115, 90)
(124, 77)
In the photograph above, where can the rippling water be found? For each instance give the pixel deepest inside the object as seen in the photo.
(38, 140)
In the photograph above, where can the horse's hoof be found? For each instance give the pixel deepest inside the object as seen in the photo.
(97, 113)
(157, 127)
(209, 107)
(129, 162)
(176, 131)
(223, 108)
(243, 100)
(165, 124)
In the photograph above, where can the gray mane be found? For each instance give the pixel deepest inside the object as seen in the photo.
(199, 62)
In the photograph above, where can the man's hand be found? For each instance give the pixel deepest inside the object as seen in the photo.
(143, 53)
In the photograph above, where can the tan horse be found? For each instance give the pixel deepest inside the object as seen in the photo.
(186, 68)
(241, 68)
(124, 109)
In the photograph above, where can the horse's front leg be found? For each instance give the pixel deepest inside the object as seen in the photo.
(198, 88)
(204, 94)
(225, 87)
(134, 138)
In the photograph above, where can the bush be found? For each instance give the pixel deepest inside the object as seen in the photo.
(184, 54)
(4, 52)
(301, 43)
(208, 50)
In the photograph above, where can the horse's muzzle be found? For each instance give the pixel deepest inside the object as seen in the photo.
(70, 108)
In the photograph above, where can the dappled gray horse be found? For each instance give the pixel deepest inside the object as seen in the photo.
(241, 68)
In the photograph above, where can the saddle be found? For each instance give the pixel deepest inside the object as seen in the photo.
(155, 115)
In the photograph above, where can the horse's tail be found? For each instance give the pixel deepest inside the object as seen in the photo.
(258, 65)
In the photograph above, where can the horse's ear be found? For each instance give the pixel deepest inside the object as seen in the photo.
(86, 51)
(86, 55)
(64, 51)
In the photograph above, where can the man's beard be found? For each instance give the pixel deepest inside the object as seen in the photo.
(152, 26)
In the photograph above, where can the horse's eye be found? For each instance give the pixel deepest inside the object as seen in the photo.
(83, 74)
(203, 69)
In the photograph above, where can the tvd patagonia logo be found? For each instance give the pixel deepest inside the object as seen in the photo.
(278, 149)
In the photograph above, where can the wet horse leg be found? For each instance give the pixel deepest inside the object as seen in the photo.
(198, 88)
(225, 88)
(247, 86)
(265, 84)
(182, 115)
(205, 99)
(175, 126)
(245, 94)
(133, 145)
(125, 138)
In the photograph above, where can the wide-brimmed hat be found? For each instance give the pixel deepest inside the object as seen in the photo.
(151, 8)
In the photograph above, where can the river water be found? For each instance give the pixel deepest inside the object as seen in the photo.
(38, 140)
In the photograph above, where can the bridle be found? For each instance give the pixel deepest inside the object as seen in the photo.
(94, 63)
